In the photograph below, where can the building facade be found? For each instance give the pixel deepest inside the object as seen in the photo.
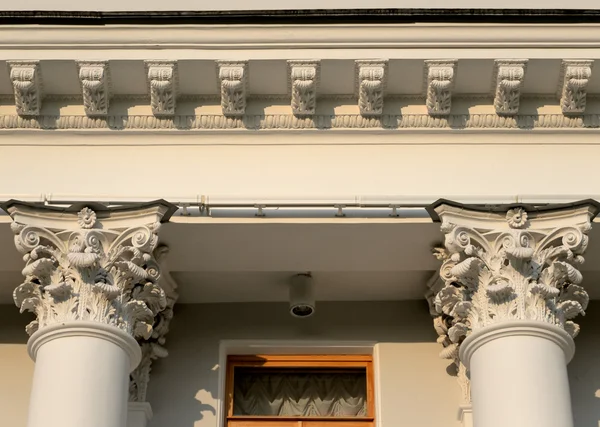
(256, 216)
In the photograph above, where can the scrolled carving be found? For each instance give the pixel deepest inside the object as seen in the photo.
(371, 81)
(27, 85)
(304, 79)
(94, 78)
(439, 80)
(573, 90)
(162, 84)
(512, 266)
(233, 77)
(89, 271)
(509, 77)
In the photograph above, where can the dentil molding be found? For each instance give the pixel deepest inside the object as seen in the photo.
(509, 264)
(90, 265)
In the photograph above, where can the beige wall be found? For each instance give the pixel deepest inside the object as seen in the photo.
(415, 390)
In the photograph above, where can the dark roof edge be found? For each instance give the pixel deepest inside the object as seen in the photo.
(502, 208)
(305, 16)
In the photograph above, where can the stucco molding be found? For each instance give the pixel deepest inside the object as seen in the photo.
(510, 264)
(27, 86)
(291, 122)
(574, 79)
(90, 265)
(370, 83)
(162, 86)
(233, 85)
(509, 77)
(94, 78)
(439, 80)
(303, 86)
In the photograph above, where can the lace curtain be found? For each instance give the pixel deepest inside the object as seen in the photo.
(307, 394)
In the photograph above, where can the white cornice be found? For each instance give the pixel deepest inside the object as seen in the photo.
(343, 36)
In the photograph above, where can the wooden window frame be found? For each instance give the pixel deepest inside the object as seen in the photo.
(299, 361)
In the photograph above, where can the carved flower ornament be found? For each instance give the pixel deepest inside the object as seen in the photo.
(86, 218)
(516, 218)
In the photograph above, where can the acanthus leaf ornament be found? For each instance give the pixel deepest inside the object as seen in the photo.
(27, 86)
(572, 91)
(511, 265)
(78, 266)
(95, 85)
(439, 82)
(233, 82)
(304, 81)
(371, 79)
(162, 85)
(509, 77)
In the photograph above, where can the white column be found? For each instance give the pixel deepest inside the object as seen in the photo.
(92, 280)
(81, 375)
(511, 289)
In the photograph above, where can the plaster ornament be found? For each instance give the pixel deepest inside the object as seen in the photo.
(233, 78)
(85, 269)
(304, 79)
(162, 85)
(371, 81)
(154, 347)
(27, 86)
(440, 81)
(94, 79)
(515, 265)
(575, 76)
(509, 77)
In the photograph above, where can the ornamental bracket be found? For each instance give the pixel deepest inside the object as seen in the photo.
(162, 85)
(233, 85)
(94, 78)
(371, 80)
(508, 82)
(27, 85)
(439, 80)
(572, 90)
(303, 84)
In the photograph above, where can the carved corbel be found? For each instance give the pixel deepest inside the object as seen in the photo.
(304, 80)
(509, 77)
(440, 76)
(95, 85)
(575, 76)
(371, 79)
(233, 82)
(27, 85)
(162, 85)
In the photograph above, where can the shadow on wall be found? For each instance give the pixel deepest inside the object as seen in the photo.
(584, 370)
(184, 388)
(13, 325)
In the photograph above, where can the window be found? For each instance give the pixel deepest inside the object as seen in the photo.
(300, 391)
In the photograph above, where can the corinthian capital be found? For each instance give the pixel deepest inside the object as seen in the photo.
(92, 263)
(510, 264)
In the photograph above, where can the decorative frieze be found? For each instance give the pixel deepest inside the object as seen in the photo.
(95, 86)
(90, 264)
(154, 347)
(509, 77)
(304, 80)
(370, 86)
(27, 86)
(575, 76)
(233, 82)
(440, 76)
(512, 264)
(162, 85)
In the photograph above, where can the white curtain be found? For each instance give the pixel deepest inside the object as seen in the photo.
(300, 394)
